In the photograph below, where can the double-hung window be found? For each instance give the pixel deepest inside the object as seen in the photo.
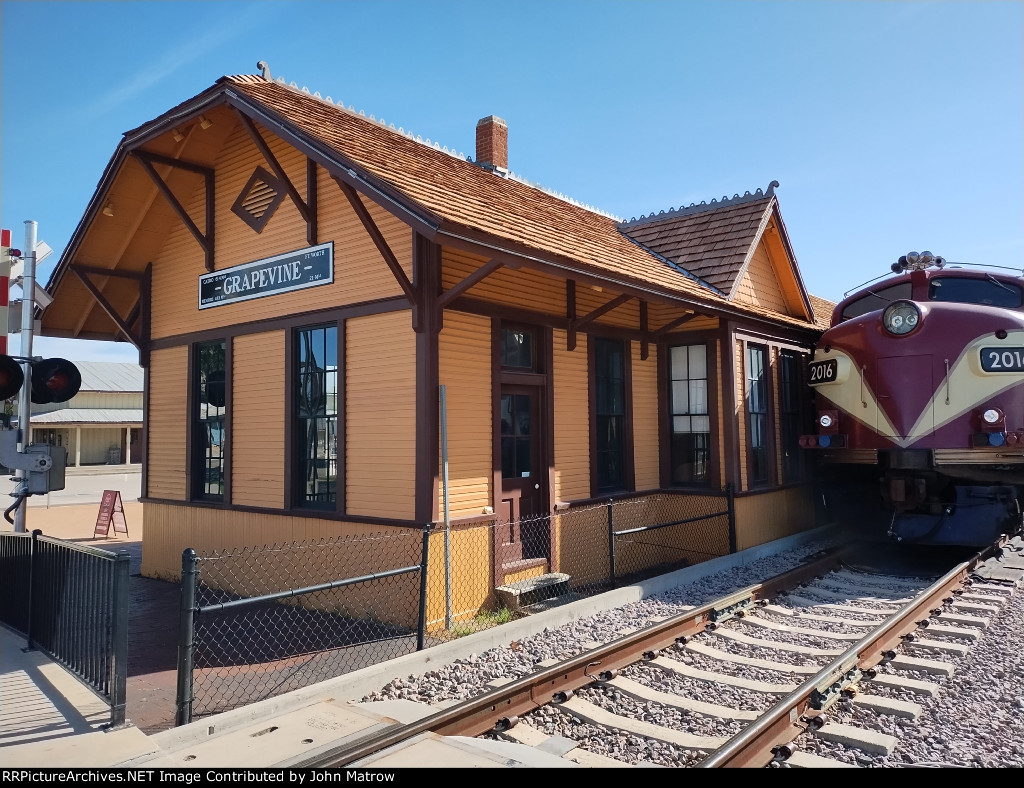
(610, 447)
(690, 427)
(316, 415)
(209, 453)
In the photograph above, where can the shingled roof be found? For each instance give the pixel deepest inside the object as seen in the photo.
(711, 240)
(446, 196)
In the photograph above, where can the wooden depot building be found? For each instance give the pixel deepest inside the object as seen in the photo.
(302, 280)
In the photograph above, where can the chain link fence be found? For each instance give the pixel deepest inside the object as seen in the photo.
(259, 622)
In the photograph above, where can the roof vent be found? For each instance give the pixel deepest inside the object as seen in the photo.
(492, 143)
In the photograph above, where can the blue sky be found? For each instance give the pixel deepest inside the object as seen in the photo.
(891, 126)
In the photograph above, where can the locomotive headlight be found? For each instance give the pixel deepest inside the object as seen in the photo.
(901, 317)
(992, 416)
(825, 420)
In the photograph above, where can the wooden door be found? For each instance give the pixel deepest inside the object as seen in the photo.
(523, 473)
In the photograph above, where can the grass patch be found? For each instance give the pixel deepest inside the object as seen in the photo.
(483, 620)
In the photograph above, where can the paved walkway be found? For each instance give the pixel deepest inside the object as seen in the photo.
(152, 608)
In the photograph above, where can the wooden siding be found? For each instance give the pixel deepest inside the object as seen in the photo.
(505, 286)
(360, 273)
(572, 419)
(258, 420)
(760, 285)
(380, 415)
(646, 432)
(170, 529)
(470, 575)
(465, 372)
(167, 422)
(767, 516)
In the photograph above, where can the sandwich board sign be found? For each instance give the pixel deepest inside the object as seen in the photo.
(111, 513)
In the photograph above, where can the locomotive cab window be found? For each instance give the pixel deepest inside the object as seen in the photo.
(987, 292)
(878, 298)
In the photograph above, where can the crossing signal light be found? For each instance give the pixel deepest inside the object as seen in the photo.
(11, 377)
(54, 380)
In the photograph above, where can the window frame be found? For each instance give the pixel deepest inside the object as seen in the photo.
(628, 482)
(767, 414)
(792, 420)
(295, 498)
(197, 458)
(711, 393)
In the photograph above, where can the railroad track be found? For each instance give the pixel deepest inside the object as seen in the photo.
(812, 644)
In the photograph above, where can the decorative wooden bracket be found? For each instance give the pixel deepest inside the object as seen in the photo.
(671, 325)
(378, 239)
(578, 323)
(140, 310)
(147, 160)
(483, 272)
(308, 211)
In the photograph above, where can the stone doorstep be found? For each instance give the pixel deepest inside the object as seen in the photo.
(534, 589)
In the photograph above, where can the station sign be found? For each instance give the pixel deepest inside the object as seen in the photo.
(283, 273)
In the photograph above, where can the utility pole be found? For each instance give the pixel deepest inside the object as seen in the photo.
(28, 301)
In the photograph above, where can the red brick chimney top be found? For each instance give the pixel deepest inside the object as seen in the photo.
(492, 143)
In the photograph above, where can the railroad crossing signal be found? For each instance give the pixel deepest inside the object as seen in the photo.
(52, 380)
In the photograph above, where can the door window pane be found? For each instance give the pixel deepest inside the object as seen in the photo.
(517, 349)
(516, 429)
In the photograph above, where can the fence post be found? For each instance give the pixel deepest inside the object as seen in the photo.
(611, 544)
(730, 500)
(119, 642)
(421, 626)
(32, 554)
(186, 637)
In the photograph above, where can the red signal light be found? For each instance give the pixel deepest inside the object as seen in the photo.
(54, 380)
(11, 377)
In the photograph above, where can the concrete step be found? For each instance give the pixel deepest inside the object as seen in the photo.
(524, 593)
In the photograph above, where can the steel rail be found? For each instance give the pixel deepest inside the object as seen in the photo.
(755, 745)
(499, 709)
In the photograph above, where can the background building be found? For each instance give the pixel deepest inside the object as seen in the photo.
(102, 424)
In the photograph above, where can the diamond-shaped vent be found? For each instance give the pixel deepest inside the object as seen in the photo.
(259, 199)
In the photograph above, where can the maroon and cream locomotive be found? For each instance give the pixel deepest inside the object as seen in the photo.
(919, 393)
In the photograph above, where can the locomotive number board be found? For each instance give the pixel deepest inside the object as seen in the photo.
(823, 371)
(1002, 359)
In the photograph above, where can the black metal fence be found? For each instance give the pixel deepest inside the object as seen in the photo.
(71, 602)
(259, 622)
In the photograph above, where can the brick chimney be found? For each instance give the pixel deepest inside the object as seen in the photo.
(492, 143)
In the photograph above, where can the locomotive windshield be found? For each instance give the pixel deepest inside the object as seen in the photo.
(877, 298)
(988, 292)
